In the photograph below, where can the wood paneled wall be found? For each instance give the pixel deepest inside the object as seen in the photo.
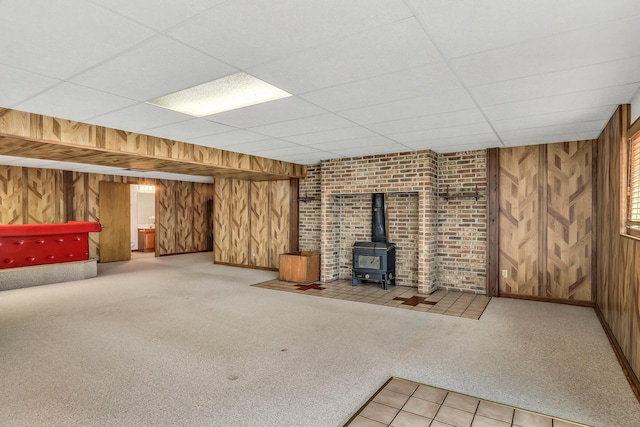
(37, 196)
(546, 221)
(618, 257)
(31, 196)
(32, 135)
(253, 222)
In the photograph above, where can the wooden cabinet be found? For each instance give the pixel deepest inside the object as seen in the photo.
(302, 267)
(146, 239)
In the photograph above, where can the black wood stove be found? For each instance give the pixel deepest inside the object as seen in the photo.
(375, 260)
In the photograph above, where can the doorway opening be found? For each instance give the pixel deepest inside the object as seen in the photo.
(143, 220)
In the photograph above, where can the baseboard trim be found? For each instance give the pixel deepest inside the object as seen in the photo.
(547, 299)
(245, 266)
(634, 383)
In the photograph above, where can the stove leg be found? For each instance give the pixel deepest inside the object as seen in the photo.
(354, 280)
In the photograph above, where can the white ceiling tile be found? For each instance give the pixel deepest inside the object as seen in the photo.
(468, 26)
(187, 130)
(557, 118)
(308, 159)
(17, 85)
(154, 68)
(382, 50)
(439, 102)
(434, 121)
(448, 148)
(276, 111)
(550, 139)
(565, 102)
(370, 141)
(289, 151)
(305, 125)
(563, 129)
(489, 139)
(442, 132)
(261, 145)
(609, 42)
(73, 102)
(343, 134)
(138, 117)
(247, 33)
(404, 84)
(227, 138)
(368, 151)
(158, 15)
(575, 80)
(62, 38)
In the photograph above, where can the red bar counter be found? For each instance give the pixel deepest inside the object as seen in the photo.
(24, 245)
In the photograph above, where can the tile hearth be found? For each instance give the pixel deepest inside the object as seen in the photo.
(458, 304)
(403, 403)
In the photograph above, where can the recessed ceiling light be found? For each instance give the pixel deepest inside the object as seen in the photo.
(227, 93)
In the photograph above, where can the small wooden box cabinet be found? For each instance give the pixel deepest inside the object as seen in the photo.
(302, 267)
(146, 239)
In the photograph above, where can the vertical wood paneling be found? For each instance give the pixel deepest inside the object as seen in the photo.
(618, 260)
(519, 218)
(55, 129)
(260, 223)
(239, 227)
(222, 220)
(166, 217)
(15, 122)
(280, 221)
(493, 223)
(201, 193)
(184, 217)
(11, 194)
(44, 196)
(569, 216)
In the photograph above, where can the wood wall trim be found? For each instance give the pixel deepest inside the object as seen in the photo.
(547, 299)
(634, 382)
(294, 224)
(68, 193)
(35, 136)
(253, 267)
(543, 221)
(493, 221)
(594, 223)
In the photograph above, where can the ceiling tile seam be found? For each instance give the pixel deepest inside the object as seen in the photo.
(454, 72)
(612, 107)
(555, 125)
(546, 73)
(563, 94)
(435, 128)
(440, 113)
(532, 39)
(163, 31)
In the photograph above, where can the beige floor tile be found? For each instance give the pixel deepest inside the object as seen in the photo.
(431, 394)
(391, 398)
(406, 419)
(480, 421)
(454, 417)
(495, 411)
(361, 421)
(528, 419)
(421, 407)
(379, 412)
(401, 386)
(462, 402)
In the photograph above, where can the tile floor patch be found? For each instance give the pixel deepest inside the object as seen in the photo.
(450, 303)
(404, 403)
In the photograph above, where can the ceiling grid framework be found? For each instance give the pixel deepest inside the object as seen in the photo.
(367, 76)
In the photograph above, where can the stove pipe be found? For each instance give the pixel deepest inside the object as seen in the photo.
(378, 232)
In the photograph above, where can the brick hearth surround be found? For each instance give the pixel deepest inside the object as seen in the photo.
(441, 244)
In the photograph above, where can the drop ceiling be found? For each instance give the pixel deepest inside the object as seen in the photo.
(367, 76)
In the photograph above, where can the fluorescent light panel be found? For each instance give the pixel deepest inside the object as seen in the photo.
(227, 93)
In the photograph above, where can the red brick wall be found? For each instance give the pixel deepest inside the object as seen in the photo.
(462, 222)
(439, 243)
(309, 211)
